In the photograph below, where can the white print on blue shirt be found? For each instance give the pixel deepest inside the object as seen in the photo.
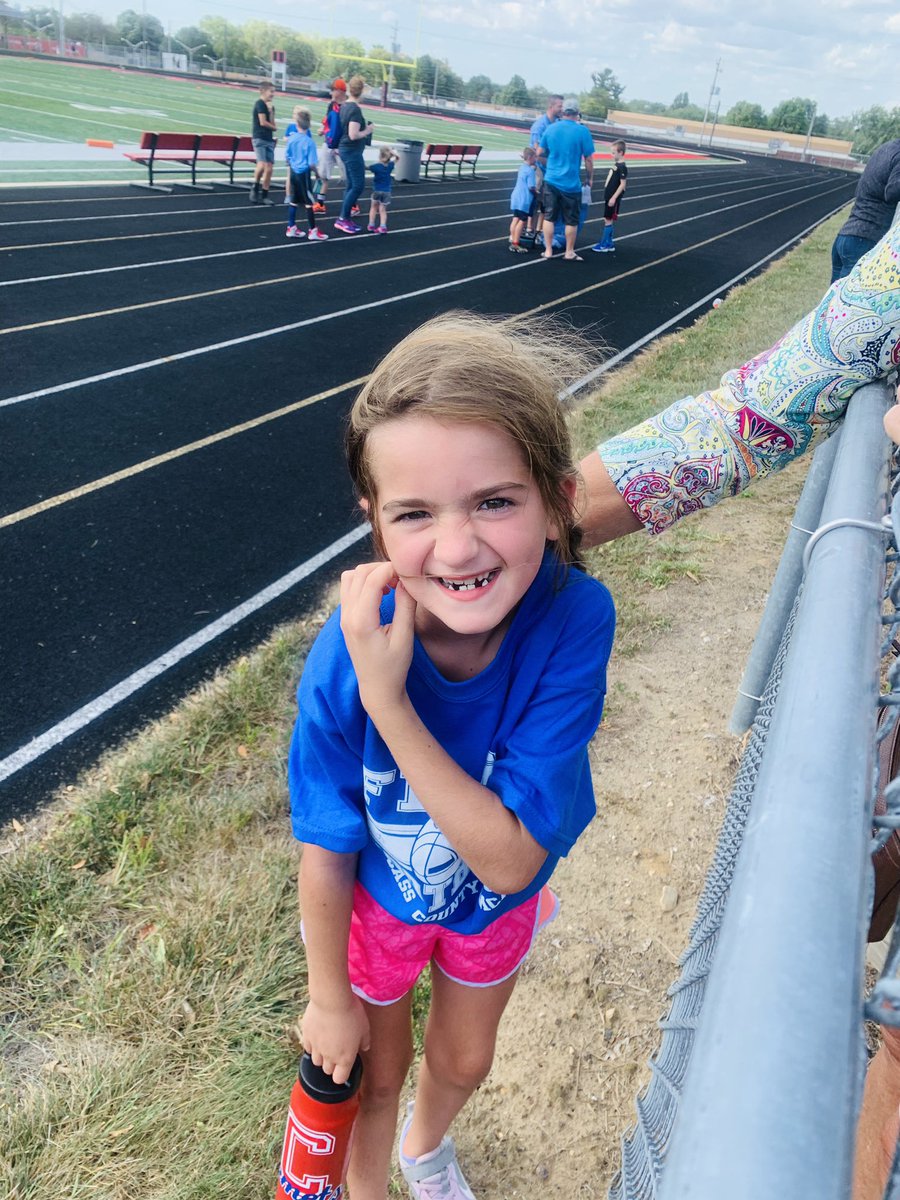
(424, 865)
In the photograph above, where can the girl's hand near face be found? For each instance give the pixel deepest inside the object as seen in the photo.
(381, 654)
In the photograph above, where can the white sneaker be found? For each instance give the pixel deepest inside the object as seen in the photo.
(433, 1176)
(316, 235)
(293, 232)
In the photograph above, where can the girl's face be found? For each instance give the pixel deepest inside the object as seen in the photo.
(460, 519)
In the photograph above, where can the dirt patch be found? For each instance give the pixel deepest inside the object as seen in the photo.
(573, 1049)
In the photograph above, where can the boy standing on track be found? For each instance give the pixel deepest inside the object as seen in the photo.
(613, 191)
(263, 143)
(301, 158)
(522, 200)
(331, 133)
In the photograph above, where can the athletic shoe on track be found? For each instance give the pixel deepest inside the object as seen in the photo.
(515, 248)
(318, 207)
(293, 232)
(382, 228)
(371, 229)
(602, 248)
(254, 194)
(316, 235)
(346, 226)
(434, 1176)
(354, 211)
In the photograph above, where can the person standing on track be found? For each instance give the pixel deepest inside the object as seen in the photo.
(564, 145)
(301, 159)
(356, 134)
(263, 143)
(613, 191)
(522, 201)
(538, 129)
(329, 158)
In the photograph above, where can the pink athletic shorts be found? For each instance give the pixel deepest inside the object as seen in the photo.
(387, 956)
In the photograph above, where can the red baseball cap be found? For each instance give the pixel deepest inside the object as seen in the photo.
(339, 86)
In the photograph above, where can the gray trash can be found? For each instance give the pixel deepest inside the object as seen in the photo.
(409, 168)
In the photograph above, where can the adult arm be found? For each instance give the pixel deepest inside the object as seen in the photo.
(762, 416)
(334, 1026)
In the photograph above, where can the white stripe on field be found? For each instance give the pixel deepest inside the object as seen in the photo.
(89, 712)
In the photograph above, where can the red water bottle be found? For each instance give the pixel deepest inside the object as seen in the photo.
(319, 1134)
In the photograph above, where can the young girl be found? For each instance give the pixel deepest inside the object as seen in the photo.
(439, 766)
(521, 202)
(301, 157)
(381, 189)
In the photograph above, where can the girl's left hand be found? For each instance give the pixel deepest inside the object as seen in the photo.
(381, 654)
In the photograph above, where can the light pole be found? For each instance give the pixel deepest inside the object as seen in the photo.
(713, 91)
(812, 121)
(191, 50)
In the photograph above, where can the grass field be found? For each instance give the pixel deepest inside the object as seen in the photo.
(48, 111)
(45, 104)
(149, 960)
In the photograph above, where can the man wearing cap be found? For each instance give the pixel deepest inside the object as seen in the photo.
(331, 133)
(563, 146)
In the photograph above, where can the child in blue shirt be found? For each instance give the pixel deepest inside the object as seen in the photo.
(439, 764)
(301, 157)
(521, 202)
(381, 189)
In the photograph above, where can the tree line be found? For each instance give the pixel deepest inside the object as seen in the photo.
(248, 47)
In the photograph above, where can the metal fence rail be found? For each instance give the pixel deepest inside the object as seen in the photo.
(755, 1088)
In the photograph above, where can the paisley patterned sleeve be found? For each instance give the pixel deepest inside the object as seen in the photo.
(764, 414)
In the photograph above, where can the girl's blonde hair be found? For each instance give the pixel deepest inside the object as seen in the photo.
(461, 367)
(385, 154)
(356, 86)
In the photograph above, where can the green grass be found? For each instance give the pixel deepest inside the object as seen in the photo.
(150, 965)
(53, 102)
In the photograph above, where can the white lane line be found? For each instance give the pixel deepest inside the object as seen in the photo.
(95, 708)
(183, 355)
(581, 384)
(89, 712)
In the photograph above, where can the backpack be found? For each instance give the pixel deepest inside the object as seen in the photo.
(332, 128)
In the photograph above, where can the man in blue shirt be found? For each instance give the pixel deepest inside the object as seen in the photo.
(563, 146)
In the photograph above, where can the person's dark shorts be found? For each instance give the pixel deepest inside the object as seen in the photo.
(382, 198)
(610, 212)
(565, 205)
(520, 215)
(265, 150)
(300, 190)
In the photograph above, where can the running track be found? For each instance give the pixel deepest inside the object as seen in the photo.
(175, 376)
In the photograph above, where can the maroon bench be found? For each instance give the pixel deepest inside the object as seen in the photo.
(459, 156)
(183, 153)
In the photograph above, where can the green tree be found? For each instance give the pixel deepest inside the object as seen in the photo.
(689, 112)
(402, 75)
(872, 126)
(228, 44)
(480, 88)
(538, 96)
(194, 38)
(792, 116)
(515, 93)
(647, 106)
(747, 115)
(89, 27)
(606, 81)
(140, 27)
(343, 56)
(682, 100)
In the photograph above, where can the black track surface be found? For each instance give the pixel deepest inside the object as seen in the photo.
(98, 282)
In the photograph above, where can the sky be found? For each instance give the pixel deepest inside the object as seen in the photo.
(840, 53)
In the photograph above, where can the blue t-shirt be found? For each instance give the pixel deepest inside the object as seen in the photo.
(523, 192)
(382, 172)
(300, 152)
(566, 143)
(520, 727)
(538, 129)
